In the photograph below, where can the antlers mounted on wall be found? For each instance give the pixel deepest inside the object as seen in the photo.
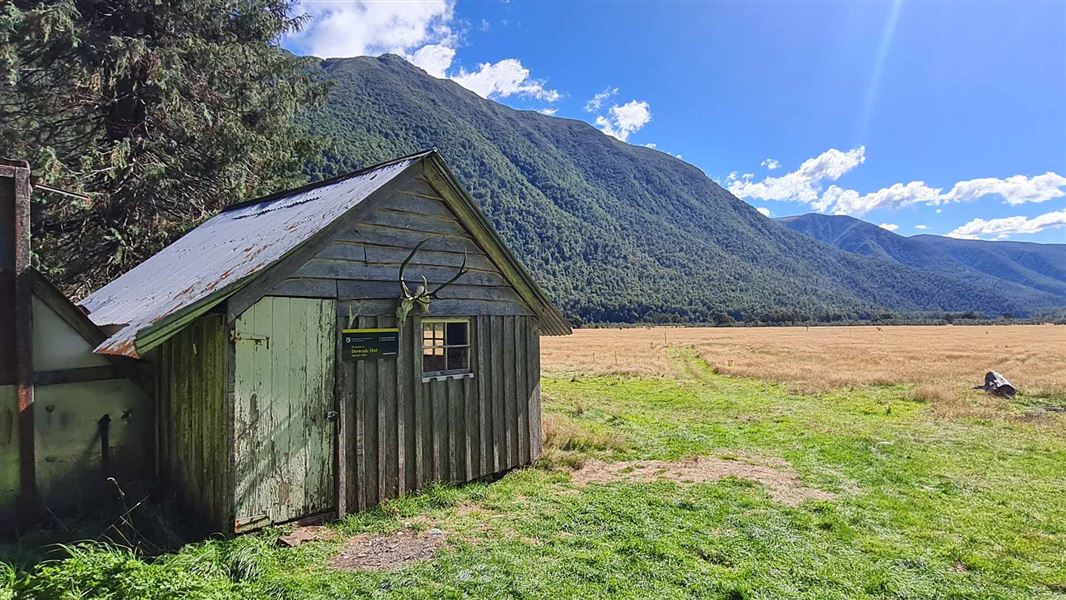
(422, 295)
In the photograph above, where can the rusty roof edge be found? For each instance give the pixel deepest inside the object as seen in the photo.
(150, 336)
(324, 182)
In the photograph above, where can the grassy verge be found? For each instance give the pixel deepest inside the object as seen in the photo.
(925, 506)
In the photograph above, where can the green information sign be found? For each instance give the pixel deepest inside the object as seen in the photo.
(370, 344)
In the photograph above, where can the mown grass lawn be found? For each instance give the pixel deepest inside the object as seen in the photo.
(925, 507)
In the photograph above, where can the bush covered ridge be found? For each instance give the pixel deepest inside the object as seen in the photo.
(615, 232)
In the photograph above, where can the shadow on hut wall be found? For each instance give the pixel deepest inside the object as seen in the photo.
(72, 423)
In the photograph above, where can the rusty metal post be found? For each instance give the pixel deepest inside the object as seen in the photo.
(15, 177)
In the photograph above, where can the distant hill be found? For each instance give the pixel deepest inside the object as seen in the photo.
(1033, 274)
(615, 232)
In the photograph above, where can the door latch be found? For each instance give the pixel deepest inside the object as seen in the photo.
(331, 415)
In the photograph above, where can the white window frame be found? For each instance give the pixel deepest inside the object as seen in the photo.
(463, 373)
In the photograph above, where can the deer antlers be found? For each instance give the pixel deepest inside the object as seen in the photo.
(422, 294)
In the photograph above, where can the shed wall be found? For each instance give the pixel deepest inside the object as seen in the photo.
(405, 433)
(71, 474)
(9, 450)
(56, 346)
(195, 433)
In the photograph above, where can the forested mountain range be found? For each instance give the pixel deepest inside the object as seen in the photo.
(1032, 273)
(622, 233)
(617, 232)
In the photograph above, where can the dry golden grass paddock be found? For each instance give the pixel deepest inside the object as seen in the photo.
(940, 360)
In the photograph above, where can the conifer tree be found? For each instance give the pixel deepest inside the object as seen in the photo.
(158, 113)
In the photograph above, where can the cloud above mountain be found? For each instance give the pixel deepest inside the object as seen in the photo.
(810, 184)
(425, 33)
(1007, 226)
(621, 120)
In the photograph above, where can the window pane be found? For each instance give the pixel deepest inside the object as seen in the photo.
(457, 334)
(458, 358)
(433, 334)
(432, 362)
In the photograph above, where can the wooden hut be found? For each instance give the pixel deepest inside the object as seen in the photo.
(320, 350)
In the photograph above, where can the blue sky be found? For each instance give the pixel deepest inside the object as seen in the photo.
(945, 118)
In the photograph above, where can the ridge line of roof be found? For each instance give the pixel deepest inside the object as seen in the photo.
(325, 182)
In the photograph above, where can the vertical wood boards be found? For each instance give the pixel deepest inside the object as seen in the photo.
(407, 433)
(521, 390)
(193, 419)
(510, 391)
(499, 430)
(536, 434)
(284, 384)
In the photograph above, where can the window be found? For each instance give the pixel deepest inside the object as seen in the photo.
(445, 347)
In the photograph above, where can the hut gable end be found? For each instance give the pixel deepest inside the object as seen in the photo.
(359, 265)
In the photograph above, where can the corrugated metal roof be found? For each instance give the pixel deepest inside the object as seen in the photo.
(226, 250)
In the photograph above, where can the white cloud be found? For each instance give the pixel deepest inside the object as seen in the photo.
(597, 101)
(548, 111)
(889, 226)
(505, 78)
(896, 195)
(357, 28)
(762, 210)
(421, 32)
(921, 227)
(433, 58)
(1006, 226)
(805, 185)
(1015, 190)
(770, 164)
(623, 120)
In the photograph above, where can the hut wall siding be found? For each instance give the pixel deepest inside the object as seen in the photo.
(359, 265)
(195, 418)
(406, 433)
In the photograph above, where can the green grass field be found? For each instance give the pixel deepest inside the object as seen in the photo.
(923, 507)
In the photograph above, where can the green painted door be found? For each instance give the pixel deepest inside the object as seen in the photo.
(284, 429)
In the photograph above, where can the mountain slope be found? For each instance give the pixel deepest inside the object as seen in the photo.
(1034, 274)
(616, 232)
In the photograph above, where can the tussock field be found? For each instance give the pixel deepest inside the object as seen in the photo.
(830, 463)
(938, 359)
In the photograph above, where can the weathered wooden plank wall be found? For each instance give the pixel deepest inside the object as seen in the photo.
(362, 263)
(406, 433)
(284, 384)
(195, 419)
